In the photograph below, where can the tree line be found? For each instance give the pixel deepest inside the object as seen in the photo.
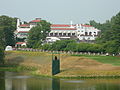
(71, 45)
(110, 36)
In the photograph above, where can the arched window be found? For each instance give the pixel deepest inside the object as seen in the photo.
(73, 34)
(90, 33)
(64, 34)
(94, 33)
(69, 34)
(56, 34)
(86, 33)
(51, 34)
(60, 34)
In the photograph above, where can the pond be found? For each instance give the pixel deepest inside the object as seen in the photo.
(22, 81)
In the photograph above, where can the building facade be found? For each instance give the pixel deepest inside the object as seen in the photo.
(60, 31)
(23, 29)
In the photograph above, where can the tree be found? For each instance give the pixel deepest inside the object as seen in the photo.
(7, 27)
(95, 48)
(72, 47)
(46, 47)
(1, 47)
(61, 45)
(104, 27)
(1, 54)
(9, 36)
(95, 24)
(2, 39)
(111, 37)
(111, 47)
(38, 34)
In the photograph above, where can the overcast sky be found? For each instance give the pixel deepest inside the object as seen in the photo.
(61, 11)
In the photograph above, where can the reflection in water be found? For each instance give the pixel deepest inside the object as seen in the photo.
(55, 84)
(18, 81)
(8, 81)
(21, 85)
(2, 81)
(105, 86)
(10, 84)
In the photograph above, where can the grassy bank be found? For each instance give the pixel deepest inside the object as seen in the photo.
(80, 66)
(16, 68)
(114, 60)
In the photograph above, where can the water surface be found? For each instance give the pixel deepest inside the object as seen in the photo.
(22, 81)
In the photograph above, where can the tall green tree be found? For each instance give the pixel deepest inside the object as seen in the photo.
(95, 24)
(1, 48)
(2, 39)
(111, 37)
(7, 27)
(113, 33)
(38, 34)
(1, 54)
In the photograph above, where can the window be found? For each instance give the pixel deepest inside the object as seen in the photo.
(69, 34)
(60, 34)
(56, 34)
(86, 33)
(90, 33)
(51, 34)
(64, 34)
(73, 34)
(94, 33)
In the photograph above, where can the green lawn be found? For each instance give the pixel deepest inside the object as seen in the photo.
(103, 59)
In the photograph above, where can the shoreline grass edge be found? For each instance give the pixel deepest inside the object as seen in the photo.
(33, 72)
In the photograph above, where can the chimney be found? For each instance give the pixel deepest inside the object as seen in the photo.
(71, 24)
(18, 23)
(38, 18)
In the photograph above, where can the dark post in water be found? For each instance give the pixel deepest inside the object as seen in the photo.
(55, 63)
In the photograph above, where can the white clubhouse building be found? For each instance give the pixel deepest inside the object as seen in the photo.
(60, 31)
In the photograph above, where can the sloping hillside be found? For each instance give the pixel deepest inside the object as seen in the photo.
(71, 66)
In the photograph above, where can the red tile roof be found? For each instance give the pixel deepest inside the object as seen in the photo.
(24, 25)
(20, 42)
(23, 31)
(63, 28)
(86, 25)
(60, 25)
(65, 25)
(35, 21)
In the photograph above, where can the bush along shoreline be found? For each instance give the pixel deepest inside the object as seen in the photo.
(66, 52)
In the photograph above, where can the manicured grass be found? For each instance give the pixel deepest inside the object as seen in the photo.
(103, 59)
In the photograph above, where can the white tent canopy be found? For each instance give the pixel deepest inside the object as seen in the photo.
(8, 48)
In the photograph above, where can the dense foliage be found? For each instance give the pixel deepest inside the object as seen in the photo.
(1, 49)
(110, 36)
(7, 28)
(38, 34)
(71, 45)
(61, 45)
(1, 55)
